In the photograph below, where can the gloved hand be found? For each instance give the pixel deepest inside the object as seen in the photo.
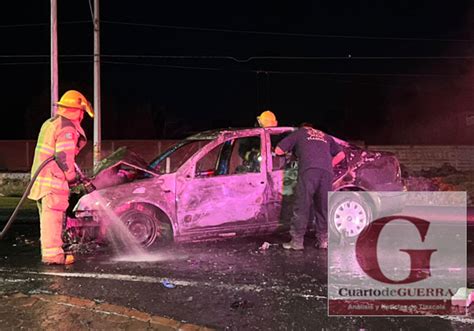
(88, 186)
(75, 182)
(286, 155)
(81, 184)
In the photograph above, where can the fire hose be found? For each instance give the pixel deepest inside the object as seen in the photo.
(23, 197)
(89, 187)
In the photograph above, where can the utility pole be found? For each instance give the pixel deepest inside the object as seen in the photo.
(97, 122)
(258, 94)
(54, 57)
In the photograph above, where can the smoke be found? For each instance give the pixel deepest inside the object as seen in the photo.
(437, 108)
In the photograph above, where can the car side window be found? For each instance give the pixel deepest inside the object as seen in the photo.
(235, 156)
(280, 162)
(207, 165)
(246, 155)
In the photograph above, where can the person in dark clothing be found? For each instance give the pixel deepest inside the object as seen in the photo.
(317, 154)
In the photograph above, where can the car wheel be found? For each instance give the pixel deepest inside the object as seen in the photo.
(349, 216)
(147, 225)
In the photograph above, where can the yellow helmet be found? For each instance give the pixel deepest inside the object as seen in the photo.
(74, 99)
(267, 119)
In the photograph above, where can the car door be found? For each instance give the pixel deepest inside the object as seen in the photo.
(225, 186)
(282, 172)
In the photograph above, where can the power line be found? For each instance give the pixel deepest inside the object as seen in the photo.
(249, 59)
(293, 58)
(350, 57)
(359, 74)
(22, 56)
(286, 72)
(287, 34)
(326, 76)
(8, 56)
(167, 66)
(28, 25)
(38, 62)
(281, 72)
(92, 11)
(319, 75)
(21, 63)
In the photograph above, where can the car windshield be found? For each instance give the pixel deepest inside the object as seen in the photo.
(170, 160)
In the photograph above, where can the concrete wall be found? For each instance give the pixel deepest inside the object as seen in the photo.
(418, 157)
(17, 155)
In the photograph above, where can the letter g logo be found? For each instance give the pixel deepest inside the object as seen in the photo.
(366, 251)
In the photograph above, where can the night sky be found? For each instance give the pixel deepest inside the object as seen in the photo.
(386, 72)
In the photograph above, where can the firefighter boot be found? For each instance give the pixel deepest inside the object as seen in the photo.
(294, 244)
(321, 243)
(60, 259)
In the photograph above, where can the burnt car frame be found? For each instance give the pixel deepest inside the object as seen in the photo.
(219, 184)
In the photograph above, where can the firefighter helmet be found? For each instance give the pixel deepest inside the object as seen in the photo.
(74, 99)
(266, 119)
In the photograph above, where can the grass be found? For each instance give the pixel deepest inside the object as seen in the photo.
(27, 211)
(11, 202)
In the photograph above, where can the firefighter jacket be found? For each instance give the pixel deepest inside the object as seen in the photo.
(62, 138)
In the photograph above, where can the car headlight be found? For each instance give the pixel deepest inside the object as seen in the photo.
(89, 202)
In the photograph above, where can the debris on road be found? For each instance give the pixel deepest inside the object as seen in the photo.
(23, 241)
(243, 304)
(266, 245)
(166, 283)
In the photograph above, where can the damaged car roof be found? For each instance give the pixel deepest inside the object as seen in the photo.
(213, 134)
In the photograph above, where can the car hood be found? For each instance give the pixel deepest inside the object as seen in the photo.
(122, 166)
(122, 155)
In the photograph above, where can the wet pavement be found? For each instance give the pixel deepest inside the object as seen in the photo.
(226, 285)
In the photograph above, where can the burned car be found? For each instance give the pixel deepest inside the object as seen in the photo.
(219, 184)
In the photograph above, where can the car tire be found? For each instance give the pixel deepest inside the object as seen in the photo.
(349, 216)
(148, 225)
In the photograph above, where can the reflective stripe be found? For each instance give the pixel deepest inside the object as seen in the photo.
(43, 148)
(53, 251)
(46, 146)
(49, 179)
(64, 146)
(50, 182)
(65, 143)
(57, 186)
(44, 255)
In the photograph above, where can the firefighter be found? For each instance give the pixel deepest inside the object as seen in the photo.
(317, 154)
(267, 119)
(62, 137)
(249, 149)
